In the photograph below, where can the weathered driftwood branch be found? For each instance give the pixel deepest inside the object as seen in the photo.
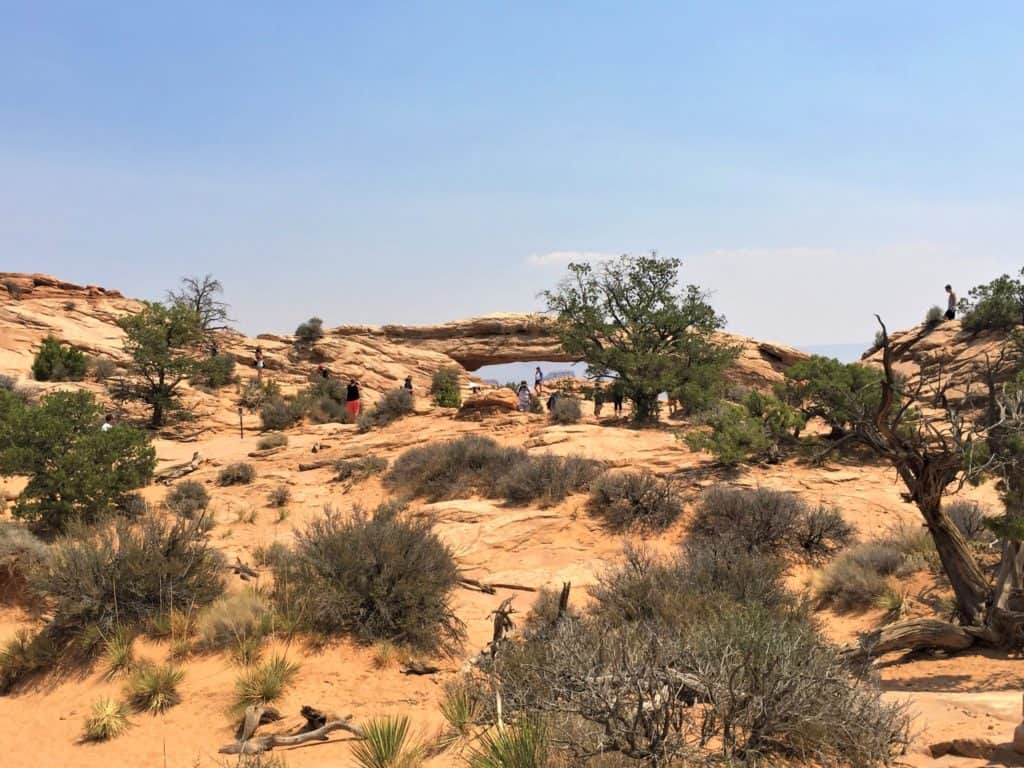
(915, 635)
(316, 728)
(179, 470)
(243, 571)
(306, 466)
(476, 585)
(262, 453)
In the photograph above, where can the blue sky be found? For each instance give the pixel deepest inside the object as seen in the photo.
(811, 163)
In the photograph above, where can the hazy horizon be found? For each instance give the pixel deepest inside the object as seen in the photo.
(811, 164)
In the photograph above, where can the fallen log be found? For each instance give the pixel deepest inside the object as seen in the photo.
(306, 466)
(914, 635)
(413, 667)
(262, 453)
(243, 571)
(491, 588)
(179, 470)
(316, 728)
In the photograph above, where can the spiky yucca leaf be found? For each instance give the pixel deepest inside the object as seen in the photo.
(520, 746)
(118, 653)
(107, 720)
(265, 683)
(386, 745)
(154, 688)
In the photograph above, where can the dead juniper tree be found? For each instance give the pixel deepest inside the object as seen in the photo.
(937, 443)
(200, 294)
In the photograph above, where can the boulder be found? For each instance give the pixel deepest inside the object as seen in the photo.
(488, 402)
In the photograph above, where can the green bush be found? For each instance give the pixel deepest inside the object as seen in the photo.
(379, 576)
(624, 500)
(444, 387)
(256, 393)
(154, 689)
(122, 576)
(768, 521)
(310, 331)
(20, 554)
(277, 413)
(187, 498)
(76, 471)
(838, 393)
(994, 306)
(57, 362)
(264, 684)
(734, 437)
(239, 473)
(216, 371)
(273, 440)
(566, 410)
(395, 404)
(359, 469)
(934, 316)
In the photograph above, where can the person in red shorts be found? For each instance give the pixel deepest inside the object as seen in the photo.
(352, 398)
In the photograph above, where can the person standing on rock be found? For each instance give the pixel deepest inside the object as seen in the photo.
(352, 398)
(524, 397)
(951, 306)
(407, 386)
(598, 399)
(538, 380)
(259, 363)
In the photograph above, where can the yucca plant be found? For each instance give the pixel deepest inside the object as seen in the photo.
(462, 709)
(519, 746)
(247, 650)
(384, 655)
(892, 601)
(265, 683)
(107, 720)
(118, 653)
(385, 744)
(154, 688)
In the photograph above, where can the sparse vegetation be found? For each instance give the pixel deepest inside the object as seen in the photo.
(566, 410)
(444, 387)
(187, 498)
(76, 471)
(626, 500)
(266, 683)
(154, 688)
(994, 306)
(359, 469)
(273, 440)
(108, 719)
(199, 296)
(14, 290)
(58, 362)
(277, 413)
(377, 576)
(475, 464)
(279, 496)
(234, 621)
(522, 745)
(239, 473)
(934, 316)
(970, 517)
(395, 404)
(386, 745)
(118, 653)
(103, 368)
(215, 371)
(310, 331)
(20, 553)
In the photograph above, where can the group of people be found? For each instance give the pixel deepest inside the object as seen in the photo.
(526, 396)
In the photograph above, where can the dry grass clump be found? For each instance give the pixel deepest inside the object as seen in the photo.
(239, 623)
(187, 498)
(239, 473)
(359, 469)
(154, 688)
(273, 440)
(107, 720)
(624, 500)
(265, 683)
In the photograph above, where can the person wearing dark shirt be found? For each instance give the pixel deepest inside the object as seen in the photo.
(352, 398)
(408, 384)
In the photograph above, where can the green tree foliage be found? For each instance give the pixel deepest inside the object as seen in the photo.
(444, 386)
(627, 321)
(995, 305)
(161, 341)
(753, 429)
(58, 362)
(75, 469)
(841, 394)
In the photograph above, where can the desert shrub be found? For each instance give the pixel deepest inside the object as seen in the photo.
(625, 500)
(822, 532)
(521, 745)
(969, 517)
(475, 464)
(271, 555)
(461, 708)
(255, 393)
(934, 316)
(58, 362)
(76, 471)
(216, 371)
(566, 410)
(276, 413)
(859, 577)
(133, 505)
(14, 290)
(444, 387)
(121, 576)
(24, 655)
(20, 553)
(995, 305)
(239, 473)
(265, 683)
(187, 498)
(310, 331)
(395, 404)
(734, 435)
(838, 393)
(758, 520)
(386, 744)
(279, 496)
(154, 688)
(118, 653)
(273, 440)
(108, 719)
(233, 619)
(7, 383)
(103, 368)
(546, 479)
(359, 469)
(378, 576)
